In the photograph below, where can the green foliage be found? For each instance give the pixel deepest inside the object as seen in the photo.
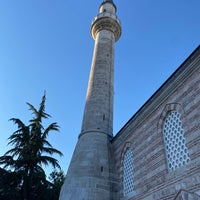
(31, 150)
(9, 185)
(57, 178)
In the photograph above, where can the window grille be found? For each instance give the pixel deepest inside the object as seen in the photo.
(175, 144)
(128, 172)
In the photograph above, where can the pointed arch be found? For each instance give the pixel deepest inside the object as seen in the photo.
(171, 127)
(168, 108)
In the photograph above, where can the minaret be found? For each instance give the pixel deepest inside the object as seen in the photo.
(88, 176)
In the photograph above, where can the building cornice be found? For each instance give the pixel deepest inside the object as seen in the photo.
(186, 69)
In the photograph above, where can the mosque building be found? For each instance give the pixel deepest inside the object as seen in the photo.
(156, 154)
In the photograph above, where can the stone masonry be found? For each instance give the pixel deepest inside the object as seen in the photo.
(144, 135)
(100, 168)
(88, 176)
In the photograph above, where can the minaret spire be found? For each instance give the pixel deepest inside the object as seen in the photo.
(88, 176)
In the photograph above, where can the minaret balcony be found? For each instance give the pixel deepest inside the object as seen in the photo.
(106, 14)
(106, 21)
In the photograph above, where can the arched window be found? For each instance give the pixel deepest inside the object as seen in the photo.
(175, 144)
(128, 172)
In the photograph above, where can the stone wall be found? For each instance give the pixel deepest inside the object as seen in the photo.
(143, 133)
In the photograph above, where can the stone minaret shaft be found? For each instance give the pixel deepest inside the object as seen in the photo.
(98, 115)
(88, 176)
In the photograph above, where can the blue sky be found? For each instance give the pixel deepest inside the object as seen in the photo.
(46, 45)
